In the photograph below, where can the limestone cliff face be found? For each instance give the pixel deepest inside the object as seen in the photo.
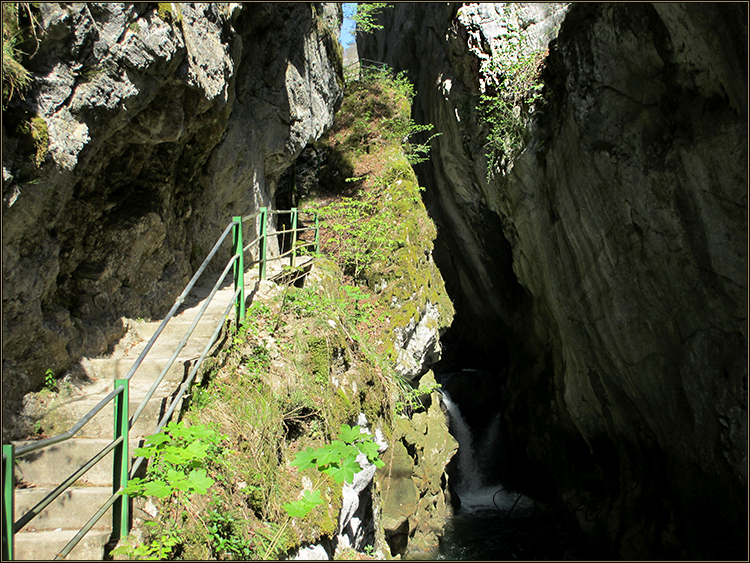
(162, 126)
(607, 269)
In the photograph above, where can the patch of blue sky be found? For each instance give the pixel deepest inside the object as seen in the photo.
(348, 27)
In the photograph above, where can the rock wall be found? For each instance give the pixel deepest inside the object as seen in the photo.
(412, 485)
(607, 269)
(162, 124)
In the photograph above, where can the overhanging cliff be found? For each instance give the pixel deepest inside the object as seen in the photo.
(163, 122)
(606, 270)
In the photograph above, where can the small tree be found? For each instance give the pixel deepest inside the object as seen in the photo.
(366, 13)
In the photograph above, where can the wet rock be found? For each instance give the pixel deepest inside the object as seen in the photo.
(412, 483)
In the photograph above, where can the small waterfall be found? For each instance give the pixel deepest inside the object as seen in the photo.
(471, 478)
(474, 489)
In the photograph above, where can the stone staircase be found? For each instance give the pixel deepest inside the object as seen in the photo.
(41, 471)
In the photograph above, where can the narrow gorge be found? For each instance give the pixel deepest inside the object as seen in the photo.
(531, 292)
(601, 274)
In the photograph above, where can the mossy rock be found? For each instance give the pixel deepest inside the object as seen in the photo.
(318, 358)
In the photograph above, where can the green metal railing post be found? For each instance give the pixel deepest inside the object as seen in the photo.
(294, 233)
(239, 271)
(317, 234)
(262, 243)
(121, 508)
(9, 491)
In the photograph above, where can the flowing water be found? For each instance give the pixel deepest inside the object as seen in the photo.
(495, 524)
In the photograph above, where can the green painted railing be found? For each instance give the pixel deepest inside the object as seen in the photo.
(120, 395)
(362, 68)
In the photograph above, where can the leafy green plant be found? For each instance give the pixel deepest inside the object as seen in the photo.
(15, 76)
(362, 232)
(366, 13)
(300, 508)
(337, 459)
(158, 548)
(360, 303)
(224, 539)
(512, 83)
(177, 457)
(409, 400)
(50, 383)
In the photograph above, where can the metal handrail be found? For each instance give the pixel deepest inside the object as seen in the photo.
(364, 65)
(123, 424)
(70, 433)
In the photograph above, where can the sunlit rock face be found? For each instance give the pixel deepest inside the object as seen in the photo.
(162, 126)
(605, 273)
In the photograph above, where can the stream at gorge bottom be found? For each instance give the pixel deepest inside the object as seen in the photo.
(492, 524)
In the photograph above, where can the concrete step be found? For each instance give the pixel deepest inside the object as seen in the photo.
(52, 465)
(59, 420)
(71, 510)
(43, 546)
(107, 369)
(171, 336)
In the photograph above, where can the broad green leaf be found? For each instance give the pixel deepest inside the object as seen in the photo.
(200, 481)
(144, 452)
(198, 449)
(345, 472)
(156, 439)
(133, 488)
(349, 434)
(173, 425)
(157, 489)
(300, 508)
(305, 459)
(176, 456)
(369, 448)
(174, 476)
(313, 497)
(297, 508)
(185, 485)
(328, 455)
(202, 432)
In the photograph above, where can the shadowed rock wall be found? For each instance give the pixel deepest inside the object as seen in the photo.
(162, 126)
(609, 263)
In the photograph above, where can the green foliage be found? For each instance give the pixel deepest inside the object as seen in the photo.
(362, 232)
(337, 459)
(164, 11)
(177, 457)
(224, 538)
(305, 302)
(513, 84)
(410, 401)
(50, 383)
(366, 13)
(159, 548)
(300, 508)
(319, 363)
(19, 22)
(36, 128)
(360, 303)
